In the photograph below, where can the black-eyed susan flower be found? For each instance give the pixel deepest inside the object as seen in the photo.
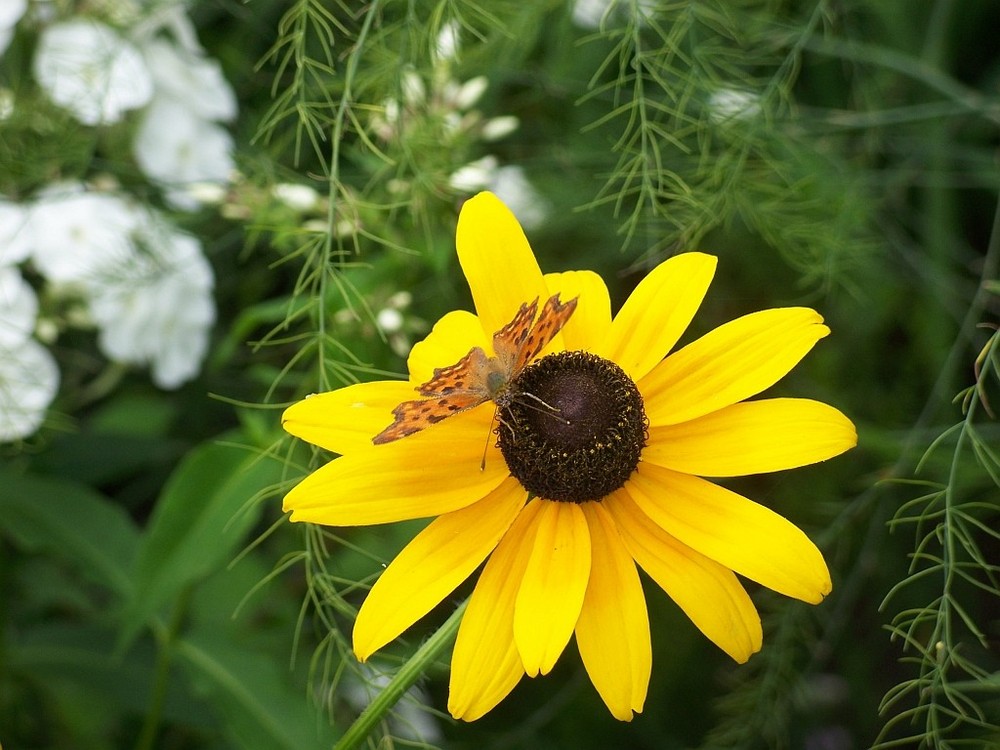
(601, 446)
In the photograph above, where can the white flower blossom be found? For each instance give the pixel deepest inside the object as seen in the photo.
(474, 176)
(588, 14)
(448, 42)
(593, 14)
(211, 193)
(192, 80)
(727, 104)
(297, 197)
(470, 92)
(147, 287)
(389, 319)
(29, 379)
(400, 300)
(499, 127)
(15, 241)
(412, 87)
(176, 148)
(85, 67)
(18, 307)
(510, 185)
(10, 13)
(156, 308)
(75, 234)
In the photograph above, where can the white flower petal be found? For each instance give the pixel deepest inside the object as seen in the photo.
(194, 81)
(75, 235)
(298, 197)
(474, 176)
(499, 127)
(471, 91)
(727, 104)
(18, 308)
(11, 12)
(177, 148)
(85, 67)
(15, 241)
(511, 185)
(29, 380)
(157, 309)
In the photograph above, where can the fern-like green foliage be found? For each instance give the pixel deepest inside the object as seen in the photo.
(698, 98)
(951, 700)
(670, 125)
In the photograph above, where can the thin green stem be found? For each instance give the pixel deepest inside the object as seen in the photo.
(335, 190)
(165, 638)
(404, 679)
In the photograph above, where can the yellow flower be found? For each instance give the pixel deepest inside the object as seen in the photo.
(561, 544)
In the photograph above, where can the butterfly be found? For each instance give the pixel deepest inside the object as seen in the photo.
(477, 377)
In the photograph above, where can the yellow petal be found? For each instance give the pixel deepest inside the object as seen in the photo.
(555, 581)
(485, 665)
(707, 592)
(737, 360)
(345, 420)
(736, 532)
(430, 567)
(497, 261)
(613, 630)
(657, 312)
(432, 472)
(752, 437)
(451, 339)
(589, 324)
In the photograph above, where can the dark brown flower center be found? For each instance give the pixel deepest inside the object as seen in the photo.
(574, 429)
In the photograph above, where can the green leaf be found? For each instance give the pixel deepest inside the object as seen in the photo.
(258, 705)
(71, 522)
(77, 662)
(200, 520)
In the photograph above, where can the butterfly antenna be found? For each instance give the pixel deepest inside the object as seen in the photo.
(545, 408)
(486, 445)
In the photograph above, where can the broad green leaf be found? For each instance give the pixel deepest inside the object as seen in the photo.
(200, 520)
(76, 662)
(71, 522)
(104, 459)
(258, 704)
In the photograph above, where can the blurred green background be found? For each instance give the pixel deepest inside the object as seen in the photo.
(841, 155)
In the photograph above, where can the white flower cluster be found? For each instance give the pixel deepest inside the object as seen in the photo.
(29, 377)
(451, 103)
(98, 73)
(100, 259)
(145, 286)
(509, 183)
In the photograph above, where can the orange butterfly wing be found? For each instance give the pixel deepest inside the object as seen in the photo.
(477, 378)
(452, 390)
(527, 344)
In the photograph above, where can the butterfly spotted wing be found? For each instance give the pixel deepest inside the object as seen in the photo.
(477, 377)
(520, 346)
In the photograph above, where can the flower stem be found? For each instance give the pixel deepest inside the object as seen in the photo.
(404, 679)
(166, 637)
